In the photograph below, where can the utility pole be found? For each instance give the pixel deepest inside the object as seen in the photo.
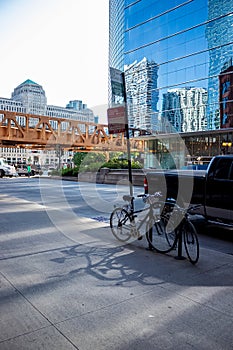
(59, 153)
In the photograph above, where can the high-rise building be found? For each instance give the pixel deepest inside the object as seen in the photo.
(32, 97)
(184, 110)
(116, 39)
(142, 96)
(191, 44)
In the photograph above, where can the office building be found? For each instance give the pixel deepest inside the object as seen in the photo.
(142, 96)
(29, 97)
(184, 110)
(116, 39)
(32, 97)
(191, 44)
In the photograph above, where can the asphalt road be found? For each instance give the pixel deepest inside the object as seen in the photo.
(90, 200)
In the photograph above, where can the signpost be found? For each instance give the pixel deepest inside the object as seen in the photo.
(117, 86)
(116, 120)
(117, 115)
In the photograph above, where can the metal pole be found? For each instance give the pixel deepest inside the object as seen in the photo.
(127, 137)
(179, 255)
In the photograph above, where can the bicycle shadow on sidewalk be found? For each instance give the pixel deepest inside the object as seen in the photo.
(128, 263)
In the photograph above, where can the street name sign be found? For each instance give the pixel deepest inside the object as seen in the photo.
(116, 120)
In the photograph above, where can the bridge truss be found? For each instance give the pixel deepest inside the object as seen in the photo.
(43, 132)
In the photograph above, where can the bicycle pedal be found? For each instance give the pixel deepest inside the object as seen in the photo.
(140, 238)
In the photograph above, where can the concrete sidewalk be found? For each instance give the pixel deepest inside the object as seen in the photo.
(78, 288)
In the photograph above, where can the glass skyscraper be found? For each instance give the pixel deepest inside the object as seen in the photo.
(189, 44)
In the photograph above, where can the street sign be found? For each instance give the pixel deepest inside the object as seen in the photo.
(116, 120)
(117, 85)
(117, 115)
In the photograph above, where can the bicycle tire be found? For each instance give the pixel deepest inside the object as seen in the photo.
(121, 224)
(191, 242)
(161, 234)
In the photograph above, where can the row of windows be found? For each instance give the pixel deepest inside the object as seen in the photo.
(12, 108)
(13, 150)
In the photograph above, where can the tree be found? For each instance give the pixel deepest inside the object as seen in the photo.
(86, 159)
(78, 158)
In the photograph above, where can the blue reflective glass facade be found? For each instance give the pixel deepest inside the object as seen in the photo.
(191, 45)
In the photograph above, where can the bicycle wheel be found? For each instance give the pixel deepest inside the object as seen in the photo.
(191, 241)
(120, 223)
(161, 234)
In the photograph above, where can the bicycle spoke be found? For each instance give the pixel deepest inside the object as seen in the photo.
(121, 224)
(161, 235)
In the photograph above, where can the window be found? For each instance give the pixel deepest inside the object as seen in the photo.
(231, 172)
(223, 169)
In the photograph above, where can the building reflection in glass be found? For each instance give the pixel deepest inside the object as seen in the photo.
(190, 42)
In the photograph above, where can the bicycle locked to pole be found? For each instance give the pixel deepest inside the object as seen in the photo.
(165, 224)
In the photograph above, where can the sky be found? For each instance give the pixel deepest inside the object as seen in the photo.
(59, 44)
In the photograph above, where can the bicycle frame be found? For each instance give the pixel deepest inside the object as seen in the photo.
(132, 213)
(166, 225)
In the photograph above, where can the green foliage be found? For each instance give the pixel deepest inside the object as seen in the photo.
(88, 161)
(70, 172)
(94, 157)
(78, 158)
(136, 165)
(94, 161)
(95, 166)
(56, 172)
(111, 164)
(67, 172)
(75, 171)
(121, 164)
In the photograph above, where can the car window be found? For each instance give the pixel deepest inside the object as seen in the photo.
(231, 171)
(223, 169)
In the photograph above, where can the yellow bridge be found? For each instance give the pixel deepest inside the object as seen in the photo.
(36, 131)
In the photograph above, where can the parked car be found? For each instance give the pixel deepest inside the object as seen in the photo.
(51, 170)
(36, 170)
(212, 189)
(22, 169)
(6, 169)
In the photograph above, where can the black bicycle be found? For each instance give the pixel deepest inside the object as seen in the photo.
(165, 225)
(173, 229)
(126, 222)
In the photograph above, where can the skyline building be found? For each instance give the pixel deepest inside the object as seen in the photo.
(142, 96)
(191, 42)
(184, 110)
(30, 98)
(116, 39)
(219, 35)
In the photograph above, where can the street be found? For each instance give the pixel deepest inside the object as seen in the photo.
(66, 283)
(83, 199)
